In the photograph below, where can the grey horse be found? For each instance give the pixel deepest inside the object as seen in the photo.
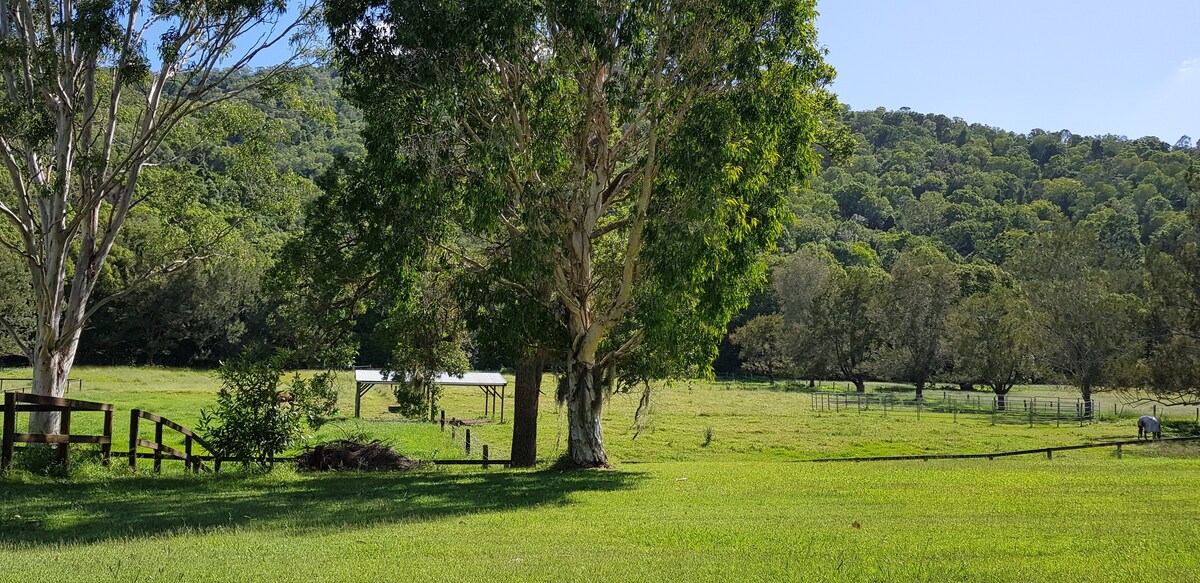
(1149, 428)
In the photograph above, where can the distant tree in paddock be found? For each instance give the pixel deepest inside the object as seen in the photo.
(833, 314)
(923, 289)
(763, 345)
(993, 338)
(1087, 332)
(1170, 371)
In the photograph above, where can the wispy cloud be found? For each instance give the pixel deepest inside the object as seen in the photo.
(1188, 66)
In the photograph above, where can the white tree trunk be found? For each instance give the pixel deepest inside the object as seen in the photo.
(585, 443)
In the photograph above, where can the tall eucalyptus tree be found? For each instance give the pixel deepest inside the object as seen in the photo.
(632, 156)
(89, 93)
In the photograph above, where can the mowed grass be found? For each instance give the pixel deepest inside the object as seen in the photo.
(750, 422)
(739, 508)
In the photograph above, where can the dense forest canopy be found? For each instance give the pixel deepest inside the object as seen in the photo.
(977, 193)
(928, 184)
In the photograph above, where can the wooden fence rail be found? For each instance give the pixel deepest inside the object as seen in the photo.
(191, 462)
(1049, 451)
(26, 384)
(24, 403)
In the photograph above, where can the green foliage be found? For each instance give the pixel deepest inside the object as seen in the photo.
(257, 417)
(923, 289)
(993, 337)
(1089, 330)
(762, 344)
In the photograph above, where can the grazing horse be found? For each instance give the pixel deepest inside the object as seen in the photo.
(1149, 428)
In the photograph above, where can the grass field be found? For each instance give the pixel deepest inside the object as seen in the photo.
(739, 508)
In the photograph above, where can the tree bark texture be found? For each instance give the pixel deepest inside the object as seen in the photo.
(585, 444)
(525, 410)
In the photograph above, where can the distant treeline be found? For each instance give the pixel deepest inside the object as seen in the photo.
(970, 199)
(942, 245)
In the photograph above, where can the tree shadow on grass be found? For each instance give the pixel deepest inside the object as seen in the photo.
(75, 511)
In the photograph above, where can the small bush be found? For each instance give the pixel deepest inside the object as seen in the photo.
(413, 398)
(257, 417)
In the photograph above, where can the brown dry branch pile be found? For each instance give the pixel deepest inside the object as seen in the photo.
(345, 454)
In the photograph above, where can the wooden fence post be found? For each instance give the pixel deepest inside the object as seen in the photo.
(187, 449)
(64, 426)
(468, 441)
(1049, 454)
(106, 448)
(133, 438)
(158, 452)
(10, 426)
(485, 456)
(1118, 451)
(443, 419)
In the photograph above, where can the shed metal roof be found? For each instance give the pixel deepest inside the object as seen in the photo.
(471, 379)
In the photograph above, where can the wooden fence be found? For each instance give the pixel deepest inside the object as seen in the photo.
(1048, 451)
(23, 403)
(190, 462)
(158, 450)
(24, 385)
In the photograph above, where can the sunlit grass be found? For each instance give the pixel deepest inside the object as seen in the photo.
(674, 509)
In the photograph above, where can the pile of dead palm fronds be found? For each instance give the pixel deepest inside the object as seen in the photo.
(349, 454)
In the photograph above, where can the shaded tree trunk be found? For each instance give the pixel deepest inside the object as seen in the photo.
(525, 409)
(1086, 389)
(860, 385)
(585, 399)
(920, 390)
(1002, 401)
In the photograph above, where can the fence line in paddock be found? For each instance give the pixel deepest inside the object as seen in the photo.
(1049, 451)
(1007, 409)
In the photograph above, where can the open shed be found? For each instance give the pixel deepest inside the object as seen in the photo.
(493, 385)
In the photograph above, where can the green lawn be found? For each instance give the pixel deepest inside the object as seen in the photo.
(739, 508)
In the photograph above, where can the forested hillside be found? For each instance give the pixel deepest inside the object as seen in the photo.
(899, 258)
(251, 183)
(926, 200)
(976, 192)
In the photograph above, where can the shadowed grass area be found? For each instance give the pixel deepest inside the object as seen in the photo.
(105, 505)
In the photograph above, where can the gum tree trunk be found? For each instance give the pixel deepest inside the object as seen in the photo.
(585, 400)
(525, 410)
(585, 444)
(52, 353)
(1086, 389)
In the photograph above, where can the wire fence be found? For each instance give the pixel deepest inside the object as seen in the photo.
(995, 408)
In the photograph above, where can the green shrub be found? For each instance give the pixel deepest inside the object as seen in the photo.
(257, 417)
(413, 398)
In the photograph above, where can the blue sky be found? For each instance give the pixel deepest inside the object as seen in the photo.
(1094, 67)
